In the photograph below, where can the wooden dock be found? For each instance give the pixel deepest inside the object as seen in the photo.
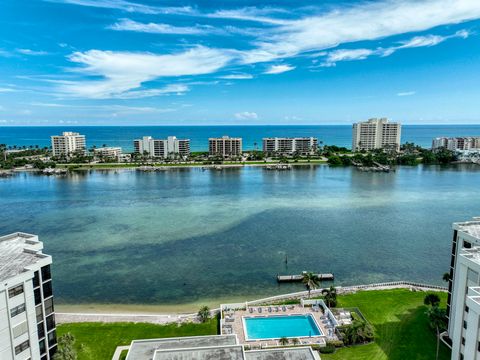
(293, 278)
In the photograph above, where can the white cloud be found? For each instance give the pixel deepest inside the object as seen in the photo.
(236, 76)
(5, 90)
(346, 55)
(31, 52)
(406, 93)
(278, 69)
(127, 6)
(251, 14)
(157, 28)
(124, 72)
(246, 115)
(366, 21)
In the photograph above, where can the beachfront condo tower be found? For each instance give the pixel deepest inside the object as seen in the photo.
(162, 148)
(376, 134)
(68, 143)
(225, 147)
(27, 318)
(456, 143)
(290, 146)
(463, 304)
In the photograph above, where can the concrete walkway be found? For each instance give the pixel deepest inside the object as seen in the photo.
(109, 318)
(118, 351)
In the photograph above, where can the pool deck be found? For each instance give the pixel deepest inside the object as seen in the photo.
(233, 323)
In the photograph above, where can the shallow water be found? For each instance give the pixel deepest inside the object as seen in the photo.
(185, 235)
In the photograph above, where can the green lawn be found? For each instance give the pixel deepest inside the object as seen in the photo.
(401, 327)
(398, 316)
(97, 341)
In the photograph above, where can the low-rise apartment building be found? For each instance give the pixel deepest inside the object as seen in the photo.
(290, 146)
(456, 143)
(68, 144)
(162, 148)
(225, 147)
(27, 317)
(376, 134)
(108, 153)
(463, 303)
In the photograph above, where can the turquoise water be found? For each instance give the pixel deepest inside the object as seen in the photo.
(123, 136)
(278, 326)
(186, 235)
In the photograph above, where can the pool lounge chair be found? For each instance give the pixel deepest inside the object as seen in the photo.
(250, 310)
(284, 308)
(270, 309)
(260, 310)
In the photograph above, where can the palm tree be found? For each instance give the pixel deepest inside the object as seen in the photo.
(204, 313)
(432, 299)
(330, 296)
(446, 277)
(437, 318)
(311, 281)
(295, 341)
(283, 341)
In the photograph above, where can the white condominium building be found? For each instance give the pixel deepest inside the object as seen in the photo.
(376, 134)
(225, 146)
(108, 152)
(162, 148)
(463, 304)
(68, 143)
(456, 143)
(304, 145)
(27, 318)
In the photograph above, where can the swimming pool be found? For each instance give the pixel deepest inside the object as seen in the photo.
(278, 326)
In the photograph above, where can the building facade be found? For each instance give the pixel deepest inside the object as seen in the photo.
(162, 148)
(108, 153)
(27, 317)
(68, 144)
(463, 303)
(456, 143)
(376, 134)
(225, 147)
(289, 146)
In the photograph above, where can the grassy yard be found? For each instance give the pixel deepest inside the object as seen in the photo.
(401, 327)
(97, 341)
(398, 316)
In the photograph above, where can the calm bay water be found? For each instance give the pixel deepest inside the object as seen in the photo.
(185, 235)
(123, 136)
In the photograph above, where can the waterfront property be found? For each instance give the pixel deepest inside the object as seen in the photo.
(456, 143)
(68, 143)
(219, 347)
(376, 134)
(27, 326)
(162, 148)
(290, 146)
(225, 147)
(114, 153)
(311, 322)
(463, 304)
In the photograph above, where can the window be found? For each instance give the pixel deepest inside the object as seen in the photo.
(47, 289)
(17, 290)
(40, 330)
(44, 357)
(22, 347)
(17, 310)
(52, 351)
(463, 341)
(48, 306)
(478, 346)
(46, 274)
(464, 324)
(20, 329)
(43, 348)
(39, 313)
(52, 338)
(467, 308)
(38, 296)
(50, 322)
(36, 279)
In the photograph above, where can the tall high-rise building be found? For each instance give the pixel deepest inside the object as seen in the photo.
(463, 303)
(304, 145)
(376, 134)
(162, 148)
(27, 318)
(225, 146)
(68, 143)
(456, 143)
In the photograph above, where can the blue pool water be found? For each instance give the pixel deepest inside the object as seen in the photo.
(274, 327)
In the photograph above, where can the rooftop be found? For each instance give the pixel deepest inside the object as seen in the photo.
(17, 252)
(234, 352)
(470, 227)
(304, 353)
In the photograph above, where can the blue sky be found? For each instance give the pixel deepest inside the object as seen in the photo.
(118, 62)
